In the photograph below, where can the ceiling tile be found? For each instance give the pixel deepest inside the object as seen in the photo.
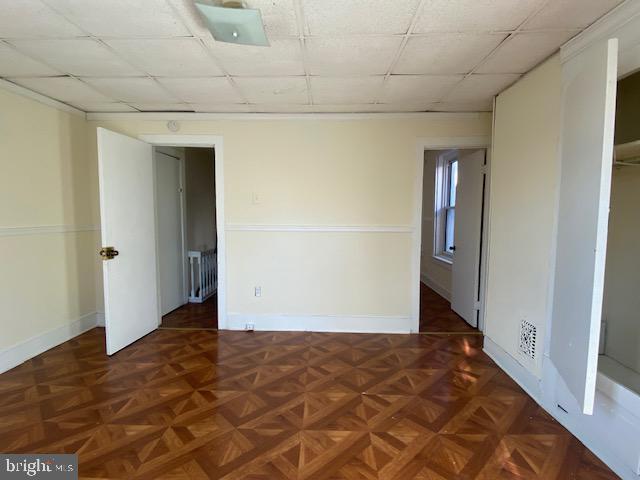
(480, 88)
(104, 107)
(570, 13)
(162, 107)
(15, 64)
(77, 56)
(474, 15)
(122, 18)
(278, 16)
(418, 89)
(337, 17)
(64, 89)
(523, 51)
(221, 108)
(202, 90)
(32, 18)
(351, 55)
(340, 90)
(283, 57)
(442, 53)
(133, 90)
(174, 57)
(283, 90)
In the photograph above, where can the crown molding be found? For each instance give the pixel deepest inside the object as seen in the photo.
(188, 116)
(30, 94)
(610, 24)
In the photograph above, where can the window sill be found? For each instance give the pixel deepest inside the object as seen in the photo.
(444, 259)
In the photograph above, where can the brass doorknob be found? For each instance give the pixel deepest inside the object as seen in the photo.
(108, 253)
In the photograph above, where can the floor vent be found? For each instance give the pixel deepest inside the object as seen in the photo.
(528, 339)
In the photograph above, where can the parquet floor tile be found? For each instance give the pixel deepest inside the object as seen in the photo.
(196, 404)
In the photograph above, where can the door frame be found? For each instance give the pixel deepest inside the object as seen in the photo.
(179, 155)
(446, 143)
(215, 142)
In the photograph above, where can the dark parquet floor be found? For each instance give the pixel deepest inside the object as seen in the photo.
(436, 314)
(194, 315)
(203, 404)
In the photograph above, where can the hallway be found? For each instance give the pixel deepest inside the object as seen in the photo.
(194, 316)
(436, 315)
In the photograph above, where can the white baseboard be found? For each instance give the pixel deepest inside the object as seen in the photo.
(21, 352)
(99, 319)
(322, 323)
(439, 289)
(523, 377)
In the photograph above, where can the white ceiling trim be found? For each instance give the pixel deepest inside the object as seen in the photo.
(188, 116)
(50, 102)
(601, 29)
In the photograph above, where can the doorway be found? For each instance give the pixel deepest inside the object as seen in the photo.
(187, 237)
(452, 215)
(129, 213)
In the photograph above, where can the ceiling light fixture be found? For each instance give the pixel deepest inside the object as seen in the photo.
(231, 22)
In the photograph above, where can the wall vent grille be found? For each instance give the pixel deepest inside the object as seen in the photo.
(528, 335)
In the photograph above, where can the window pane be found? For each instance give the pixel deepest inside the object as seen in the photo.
(453, 183)
(450, 216)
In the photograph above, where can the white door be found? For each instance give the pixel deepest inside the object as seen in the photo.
(465, 272)
(127, 211)
(589, 95)
(171, 261)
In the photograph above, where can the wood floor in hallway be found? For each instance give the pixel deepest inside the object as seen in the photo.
(436, 314)
(201, 404)
(194, 315)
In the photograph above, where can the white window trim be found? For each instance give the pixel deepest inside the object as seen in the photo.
(441, 193)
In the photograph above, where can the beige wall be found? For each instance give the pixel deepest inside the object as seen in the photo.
(46, 185)
(318, 173)
(524, 179)
(201, 198)
(434, 272)
(622, 277)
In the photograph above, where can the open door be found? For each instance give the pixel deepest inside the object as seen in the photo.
(589, 93)
(468, 229)
(127, 211)
(171, 251)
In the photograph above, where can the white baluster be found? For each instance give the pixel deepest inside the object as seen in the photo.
(203, 278)
(193, 293)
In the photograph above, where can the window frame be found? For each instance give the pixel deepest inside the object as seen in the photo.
(442, 204)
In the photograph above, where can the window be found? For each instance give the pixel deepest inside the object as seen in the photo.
(445, 205)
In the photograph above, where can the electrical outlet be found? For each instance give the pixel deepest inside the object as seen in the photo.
(257, 291)
(249, 327)
(255, 198)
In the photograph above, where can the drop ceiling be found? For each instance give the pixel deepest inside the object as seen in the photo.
(325, 55)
